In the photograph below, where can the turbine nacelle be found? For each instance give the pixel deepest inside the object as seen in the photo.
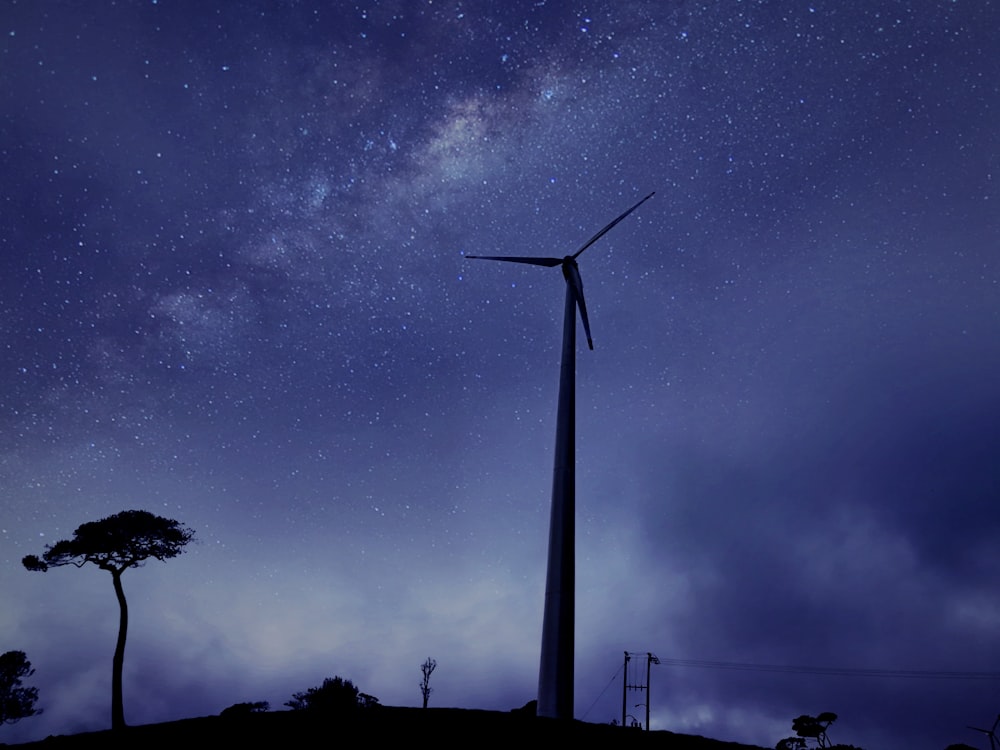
(991, 733)
(571, 272)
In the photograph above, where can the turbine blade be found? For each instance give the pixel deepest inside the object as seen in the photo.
(586, 323)
(611, 226)
(572, 274)
(547, 262)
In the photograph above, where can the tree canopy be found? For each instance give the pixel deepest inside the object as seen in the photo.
(116, 543)
(16, 702)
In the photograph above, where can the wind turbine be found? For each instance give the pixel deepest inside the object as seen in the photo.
(991, 733)
(555, 673)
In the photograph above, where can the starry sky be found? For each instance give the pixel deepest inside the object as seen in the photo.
(233, 293)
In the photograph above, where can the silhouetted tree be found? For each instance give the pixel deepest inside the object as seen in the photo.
(335, 696)
(16, 702)
(812, 728)
(367, 701)
(425, 684)
(115, 544)
(242, 709)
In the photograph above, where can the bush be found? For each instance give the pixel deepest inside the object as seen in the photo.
(335, 696)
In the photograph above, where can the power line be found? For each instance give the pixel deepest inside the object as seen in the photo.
(923, 674)
(610, 683)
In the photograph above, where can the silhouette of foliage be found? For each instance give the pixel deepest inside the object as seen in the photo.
(425, 684)
(243, 709)
(812, 728)
(16, 702)
(115, 544)
(335, 696)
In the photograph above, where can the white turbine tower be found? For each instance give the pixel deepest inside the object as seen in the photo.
(555, 674)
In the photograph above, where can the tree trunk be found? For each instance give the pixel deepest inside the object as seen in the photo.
(117, 706)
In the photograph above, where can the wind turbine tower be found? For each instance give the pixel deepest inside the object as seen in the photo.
(555, 673)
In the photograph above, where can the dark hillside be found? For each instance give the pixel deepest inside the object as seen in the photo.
(441, 726)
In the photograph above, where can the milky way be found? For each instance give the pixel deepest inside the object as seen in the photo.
(233, 292)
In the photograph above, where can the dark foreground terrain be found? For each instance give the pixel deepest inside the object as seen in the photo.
(440, 727)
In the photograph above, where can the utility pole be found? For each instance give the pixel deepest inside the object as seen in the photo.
(637, 686)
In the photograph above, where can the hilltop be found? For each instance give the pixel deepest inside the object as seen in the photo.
(444, 727)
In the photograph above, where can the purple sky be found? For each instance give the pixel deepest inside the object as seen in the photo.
(232, 292)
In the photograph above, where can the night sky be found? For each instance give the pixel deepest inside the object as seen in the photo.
(233, 293)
